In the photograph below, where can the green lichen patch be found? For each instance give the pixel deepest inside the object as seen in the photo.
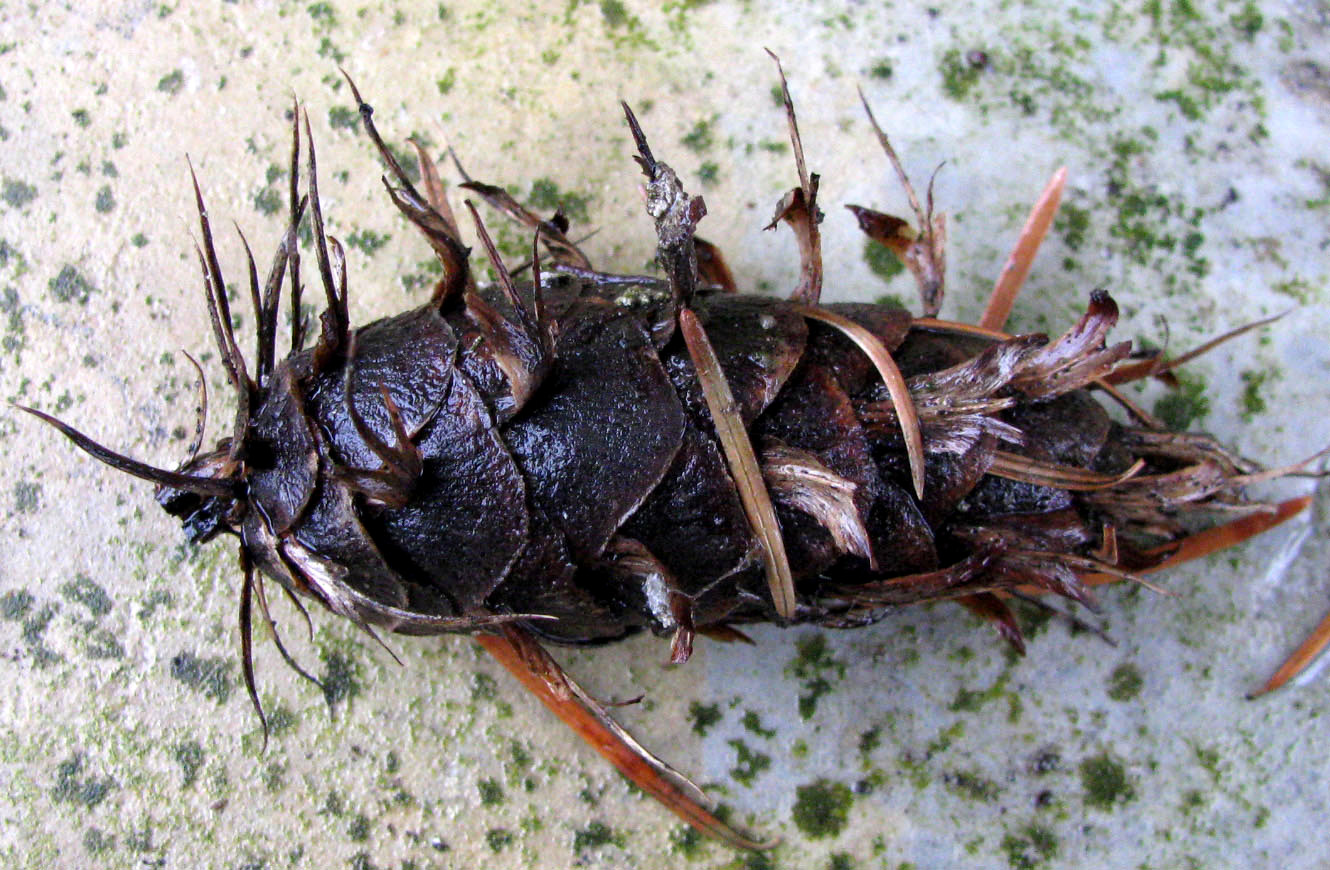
(1034, 621)
(210, 676)
(104, 202)
(69, 285)
(358, 828)
(870, 740)
(322, 14)
(972, 700)
(709, 173)
(822, 808)
(268, 201)
(960, 71)
(448, 80)
(1208, 759)
(15, 604)
(101, 643)
(189, 755)
(1072, 223)
(498, 839)
(172, 82)
(14, 339)
(34, 631)
(1248, 21)
(281, 720)
(83, 590)
(614, 13)
(812, 667)
(491, 792)
(881, 261)
(704, 716)
(756, 861)
(339, 678)
(1104, 781)
(27, 496)
(701, 137)
(1032, 848)
(1253, 386)
(273, 777)
(595, 836)
(74, 785)
(1125, 682)
(343, 118)
(17, 194)
(546, 196)
(752, 723)
(96, 842)
(367, 241)
(972, 785)
(688, 842)
(749, 764)
(1184, 406)
(841, 861)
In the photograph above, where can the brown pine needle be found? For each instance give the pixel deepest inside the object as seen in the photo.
(1303, 656)
(955, 327)
(1013, 466)
(1146, 368)
(1014, 273)
(1276, 473)
(891, 376)
(593, 724)
(739, 455)
(1145, 417)
(1213, 540)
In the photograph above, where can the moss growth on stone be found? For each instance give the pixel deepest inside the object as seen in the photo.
(105, 200)
(73, 785)
(210, 675)
(703, 717)
(1125, 682)
(594, 836)
(1034, 847)
(701, 137)
(749, 763)
(1104, 781)
(752, 722)
(498, 839)
(172, 82)
(27, 496)
(83, 590)
(1181, 408)
(69, 285)
(339, 678)
(881, 261)
(959, 73)
(972, 785)
(491, 792)
(547, 196)
(812, 667)
(1253, 402)
(822, 808)
(17, 194)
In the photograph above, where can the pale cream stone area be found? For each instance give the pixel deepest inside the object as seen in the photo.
(1200, 187)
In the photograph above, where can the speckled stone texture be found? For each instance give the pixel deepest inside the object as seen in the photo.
(1194, 135)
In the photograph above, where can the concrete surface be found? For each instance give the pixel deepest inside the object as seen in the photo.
(1195, 138)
